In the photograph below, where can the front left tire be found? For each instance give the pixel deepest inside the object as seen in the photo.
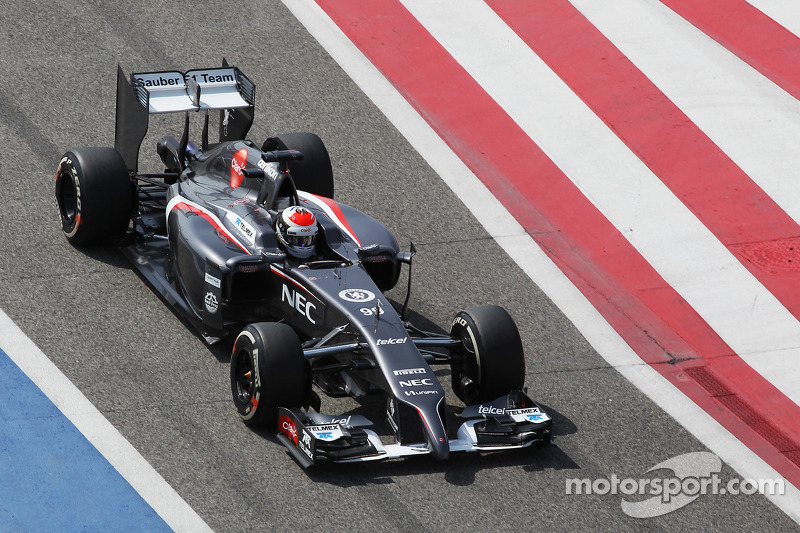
(489, 361)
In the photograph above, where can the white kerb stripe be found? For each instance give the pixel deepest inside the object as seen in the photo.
(784, 12)
(755, 122)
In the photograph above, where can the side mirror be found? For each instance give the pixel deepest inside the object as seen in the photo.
(376, 253)
(253, 173)
(406, 257)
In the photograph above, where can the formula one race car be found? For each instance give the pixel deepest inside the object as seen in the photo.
(247, 243)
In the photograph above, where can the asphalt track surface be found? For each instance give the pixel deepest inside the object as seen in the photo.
(168, 393)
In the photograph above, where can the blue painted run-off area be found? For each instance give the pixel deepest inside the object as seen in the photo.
(51, 477)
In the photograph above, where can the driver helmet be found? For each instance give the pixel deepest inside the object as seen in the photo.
(297, 231)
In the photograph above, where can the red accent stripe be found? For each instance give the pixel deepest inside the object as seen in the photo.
(337, 211)
(661, 327)
(285, 420)
(750, 34)
(210, 220)
(238, 163)
(277, 271)
(302, 217)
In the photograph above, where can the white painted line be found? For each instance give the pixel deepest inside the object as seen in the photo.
(531, 259)
(98, 431)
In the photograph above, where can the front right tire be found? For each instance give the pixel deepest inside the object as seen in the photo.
(268, 371)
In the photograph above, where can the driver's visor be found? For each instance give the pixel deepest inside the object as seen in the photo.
(300, 240)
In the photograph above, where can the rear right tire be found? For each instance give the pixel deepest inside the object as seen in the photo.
(94, 195)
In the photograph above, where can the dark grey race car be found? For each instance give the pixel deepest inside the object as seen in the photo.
(203, 234)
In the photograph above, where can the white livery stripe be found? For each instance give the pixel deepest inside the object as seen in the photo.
(205, 213)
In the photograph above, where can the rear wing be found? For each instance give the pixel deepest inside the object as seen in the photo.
(225, 88)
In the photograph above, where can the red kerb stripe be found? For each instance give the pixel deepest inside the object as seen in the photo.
(739, 213)
(750, 34)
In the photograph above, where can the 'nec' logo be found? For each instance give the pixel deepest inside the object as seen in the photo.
(299, 302)
(417, 382)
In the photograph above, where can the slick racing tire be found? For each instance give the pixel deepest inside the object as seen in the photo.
(489, 361)
(94, 195)
(268, 371)
(313, 173)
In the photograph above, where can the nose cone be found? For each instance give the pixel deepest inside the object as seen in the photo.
(440, 450)
(437, 435)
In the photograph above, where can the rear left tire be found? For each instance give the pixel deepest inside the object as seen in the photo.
(313, 173)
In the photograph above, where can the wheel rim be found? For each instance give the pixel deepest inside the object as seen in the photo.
(467, 359)
(465, 368)
(67, 197)
(244, 378)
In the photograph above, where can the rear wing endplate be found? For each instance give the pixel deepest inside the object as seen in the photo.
(225, 88)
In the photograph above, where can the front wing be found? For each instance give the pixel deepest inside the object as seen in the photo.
(312, 438)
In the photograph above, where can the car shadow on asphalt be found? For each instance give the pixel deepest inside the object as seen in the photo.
(458, 470)
(108, 254)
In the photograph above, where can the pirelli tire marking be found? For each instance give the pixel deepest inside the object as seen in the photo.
(66, 221)
(463, 323)
(250, 410)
